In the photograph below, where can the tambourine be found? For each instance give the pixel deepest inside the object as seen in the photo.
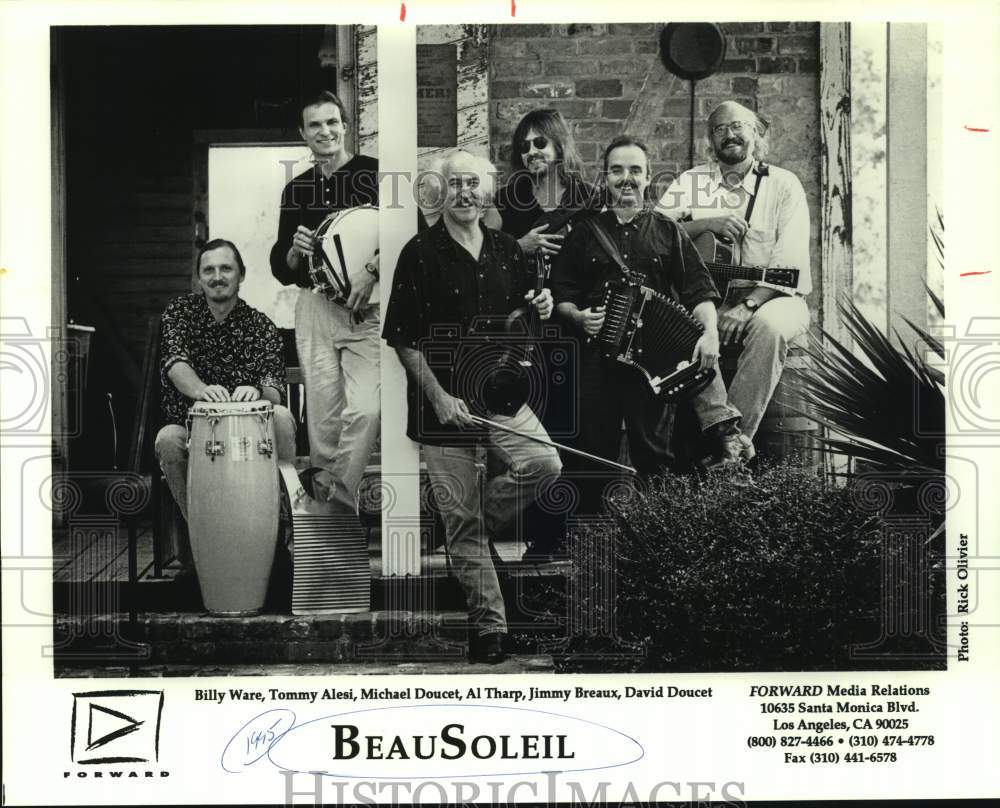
(343, 243)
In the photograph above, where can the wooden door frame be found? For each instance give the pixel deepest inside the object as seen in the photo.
(202, 139)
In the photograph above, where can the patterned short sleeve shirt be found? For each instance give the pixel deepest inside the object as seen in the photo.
(244, 349)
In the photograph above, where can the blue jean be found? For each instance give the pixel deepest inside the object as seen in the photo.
(529, 468)
(769, 332)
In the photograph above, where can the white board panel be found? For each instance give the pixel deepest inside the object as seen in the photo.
(244, 191)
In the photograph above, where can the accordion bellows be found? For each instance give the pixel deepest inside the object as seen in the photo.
(655, 336)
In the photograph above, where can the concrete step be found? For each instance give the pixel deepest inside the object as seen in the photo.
(367, 639)
(178, 591)
(540, 663)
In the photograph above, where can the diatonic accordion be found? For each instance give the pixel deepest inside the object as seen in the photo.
(655, 336)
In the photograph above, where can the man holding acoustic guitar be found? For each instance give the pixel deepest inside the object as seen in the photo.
(757, 213)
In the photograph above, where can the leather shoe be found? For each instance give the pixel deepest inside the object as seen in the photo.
(487, 649)
(730, 453)
(544, 552)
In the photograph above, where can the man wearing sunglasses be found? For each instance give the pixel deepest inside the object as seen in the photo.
(338, 351)
(545, 184)
(759, 210)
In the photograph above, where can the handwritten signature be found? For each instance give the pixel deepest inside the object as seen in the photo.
(255, 738)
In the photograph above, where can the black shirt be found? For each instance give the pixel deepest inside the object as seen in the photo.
(650, 243)
(520, 211)
(244, 349)
(309, 198)
(452, 308)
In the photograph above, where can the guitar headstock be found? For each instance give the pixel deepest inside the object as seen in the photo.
(781, 276)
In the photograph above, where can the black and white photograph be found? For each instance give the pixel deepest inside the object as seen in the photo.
(694, 437)
(497, 403)
(220, 262)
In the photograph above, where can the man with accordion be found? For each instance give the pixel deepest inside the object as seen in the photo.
(630, 247)
(336, 335)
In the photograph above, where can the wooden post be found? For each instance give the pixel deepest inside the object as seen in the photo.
(837, 265)
(835, 139)
(346, 77)
(906, 161)
(60, 405)
(397, 112)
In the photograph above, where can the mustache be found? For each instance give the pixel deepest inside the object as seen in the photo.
(733, 141)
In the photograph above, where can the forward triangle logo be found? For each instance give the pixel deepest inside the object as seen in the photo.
(106, 725)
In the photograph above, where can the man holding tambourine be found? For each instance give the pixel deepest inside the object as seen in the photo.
(327, 243)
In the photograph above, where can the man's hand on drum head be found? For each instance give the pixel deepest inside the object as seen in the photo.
(246, 392)
(214, 392)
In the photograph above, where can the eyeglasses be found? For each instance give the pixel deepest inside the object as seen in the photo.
(539, 142)
(737, 127)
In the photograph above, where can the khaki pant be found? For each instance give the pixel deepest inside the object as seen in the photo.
(340, 362)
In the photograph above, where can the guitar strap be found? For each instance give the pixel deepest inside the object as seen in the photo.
(604, 239)
(761, 171)
(606, 242)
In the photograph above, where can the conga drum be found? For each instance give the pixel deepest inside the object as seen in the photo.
(232, 502)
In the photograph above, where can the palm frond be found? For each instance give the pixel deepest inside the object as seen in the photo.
(938, 302)
(938, 235)
(889, 411)
(933, 342)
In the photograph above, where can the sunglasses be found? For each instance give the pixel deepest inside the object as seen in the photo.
(539, 142)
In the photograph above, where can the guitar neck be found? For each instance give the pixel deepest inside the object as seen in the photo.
(731, 272)
(722, 274)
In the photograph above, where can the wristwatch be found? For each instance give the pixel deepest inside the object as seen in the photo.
(372, 270)
(750, 303)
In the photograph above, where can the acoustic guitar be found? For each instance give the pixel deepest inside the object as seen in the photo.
(718, 257)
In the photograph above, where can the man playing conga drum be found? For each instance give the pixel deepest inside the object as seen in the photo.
(214, 347)
(337, 341)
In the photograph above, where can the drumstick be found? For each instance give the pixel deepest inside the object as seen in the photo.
(554, 445)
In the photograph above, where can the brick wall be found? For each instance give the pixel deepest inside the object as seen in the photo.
(594, 74)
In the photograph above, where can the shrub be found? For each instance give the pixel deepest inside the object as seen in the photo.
(778, 572)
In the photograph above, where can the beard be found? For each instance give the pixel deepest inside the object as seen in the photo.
(538, 167)
(732, 157)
